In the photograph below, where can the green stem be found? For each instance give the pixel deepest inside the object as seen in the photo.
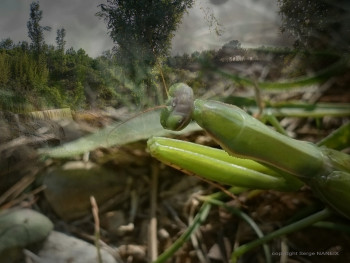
(275, 123)
(334, 69)
(333, 226)
(219, 195)
(281, 232)
(198, 220)
(339, 139)
(248, 220)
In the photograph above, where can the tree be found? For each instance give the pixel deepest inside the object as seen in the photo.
(316, 24)
(35, 30)
(230, 49)
(142, 30)
(61, 33)
(5, 70)
(24, 45)
(6, 44)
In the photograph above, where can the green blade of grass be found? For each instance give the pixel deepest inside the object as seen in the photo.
(337, 140)
(141, 127)
(247, 219)
(292, 108)
(319, 216)
(335, 69)
(197, 221)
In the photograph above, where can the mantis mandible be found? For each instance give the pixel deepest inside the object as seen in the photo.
(266, 159)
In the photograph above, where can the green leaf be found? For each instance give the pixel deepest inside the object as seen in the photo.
(291, 108)
(339, 139)
(141, 127)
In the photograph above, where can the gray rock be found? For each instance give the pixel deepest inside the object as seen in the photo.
(61, 248)
(68, 188)
(21, 228)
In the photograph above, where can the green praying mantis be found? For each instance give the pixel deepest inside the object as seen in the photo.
(254, 156)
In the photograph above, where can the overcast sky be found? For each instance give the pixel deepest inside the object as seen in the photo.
(252, 22)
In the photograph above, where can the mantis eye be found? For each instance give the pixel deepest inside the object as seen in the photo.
(179, 108)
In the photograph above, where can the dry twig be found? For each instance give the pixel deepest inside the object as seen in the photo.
(97, 227)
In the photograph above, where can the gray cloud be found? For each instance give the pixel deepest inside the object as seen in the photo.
(253, 22)
(83, 28)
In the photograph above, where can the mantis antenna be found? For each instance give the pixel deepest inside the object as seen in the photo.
(163, 79)
(147, 110)
(177, 111)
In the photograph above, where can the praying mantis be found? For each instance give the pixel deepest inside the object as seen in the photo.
(254, 156)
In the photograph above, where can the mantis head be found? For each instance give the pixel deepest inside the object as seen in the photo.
(179, 107)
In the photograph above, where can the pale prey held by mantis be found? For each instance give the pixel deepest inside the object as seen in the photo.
(254, 156)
